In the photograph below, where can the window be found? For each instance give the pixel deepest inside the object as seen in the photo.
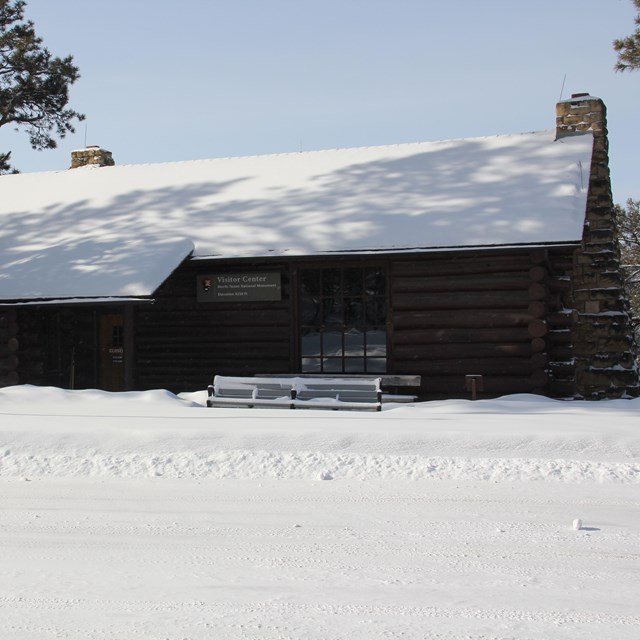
(343, 320)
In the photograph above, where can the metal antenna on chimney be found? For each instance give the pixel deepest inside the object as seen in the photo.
(562, 88)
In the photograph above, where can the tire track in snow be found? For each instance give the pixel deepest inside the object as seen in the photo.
(280, 608)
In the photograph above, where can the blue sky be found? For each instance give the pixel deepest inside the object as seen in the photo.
(164, 81)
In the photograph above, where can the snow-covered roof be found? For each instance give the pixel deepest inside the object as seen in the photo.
(120, 231)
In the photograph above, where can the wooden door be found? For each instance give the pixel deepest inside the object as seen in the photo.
(112, 355)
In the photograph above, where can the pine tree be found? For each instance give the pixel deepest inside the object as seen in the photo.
(629, 48)
(629, 233)
(34, 85)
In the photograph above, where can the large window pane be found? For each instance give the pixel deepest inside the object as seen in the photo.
(375, 281)
(332, 365)
(353, 343)
(311, 365)
(332, 343)
(332, 312)
(354, 313)
(376, 343)
(376, 311)
(310, 282)
(376, 365)
(342, 313)
(353, 365)
(331, 282)
(353, 280)
(311, 342)
(310, 311)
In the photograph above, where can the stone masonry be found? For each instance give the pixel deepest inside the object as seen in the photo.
(603, 344)
(91, 156)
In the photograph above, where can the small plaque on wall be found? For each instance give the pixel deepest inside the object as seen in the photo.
(257, 286)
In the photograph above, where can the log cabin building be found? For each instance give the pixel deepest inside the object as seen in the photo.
(490, 256)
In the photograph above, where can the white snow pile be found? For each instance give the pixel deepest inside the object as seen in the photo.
(53, 432)
(147, 515)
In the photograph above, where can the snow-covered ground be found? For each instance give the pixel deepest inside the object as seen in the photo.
(146, 515)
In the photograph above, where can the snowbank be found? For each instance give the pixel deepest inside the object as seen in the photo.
(53, 432)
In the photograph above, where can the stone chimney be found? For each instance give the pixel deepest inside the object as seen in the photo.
(92, 155)
(604, 347)
(582, 112)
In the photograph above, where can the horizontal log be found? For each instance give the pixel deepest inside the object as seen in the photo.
(5, 367)
(538, 345)
(537, 291)
(454, 386)
(225, 335)
(462, 335)
(462, 367)
(461, 351)
(461, 300)
(537, 308)
(539, 360)
(219, 318)
(147, 369)
(37, 381)
(9, 362)
(30, 369)
(537, 328)
(7, 332)
(538, 256)
(461, 264)
(204, 352)
(539, 379)
(29, 354)
(7, 316)
(464, 282)
(7, 350)
(537, 273)
(30, 336)
(503, 318)
(9, 379)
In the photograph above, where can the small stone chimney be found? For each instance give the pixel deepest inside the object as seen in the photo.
(582, 112)
(92, 155)
(603, 344)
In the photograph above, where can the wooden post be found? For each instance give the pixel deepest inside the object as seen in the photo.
(474, 383)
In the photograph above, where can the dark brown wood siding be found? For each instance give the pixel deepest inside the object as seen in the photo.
(504, 314)
(180, 344)
(57, 346)
(9, 344)
(497, 314)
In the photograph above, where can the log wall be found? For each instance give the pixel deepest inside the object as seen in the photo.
(181, 344)
(507, 315)
(9, 344)
(57, 346)
(501, 315)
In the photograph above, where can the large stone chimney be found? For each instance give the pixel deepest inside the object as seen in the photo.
(92, 155)
(603, 343)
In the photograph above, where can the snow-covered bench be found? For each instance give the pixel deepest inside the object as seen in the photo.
(249, 392)
(296, 393)
(395, 387)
